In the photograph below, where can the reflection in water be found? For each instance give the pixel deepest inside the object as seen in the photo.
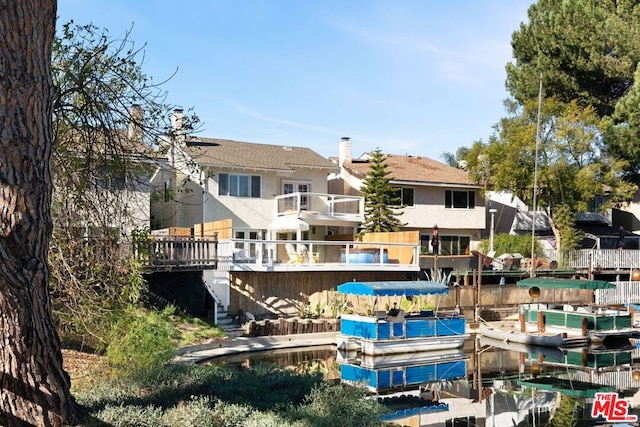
(500, 384)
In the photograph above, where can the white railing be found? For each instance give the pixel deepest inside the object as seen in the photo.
(318, 252)
(623, 293)
(598, 259)
(333, 205)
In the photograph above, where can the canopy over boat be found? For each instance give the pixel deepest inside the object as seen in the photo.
(405, 287)
(557, 283)
(566, 386)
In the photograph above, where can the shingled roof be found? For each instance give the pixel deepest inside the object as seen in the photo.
(414, 169)
(248, 155)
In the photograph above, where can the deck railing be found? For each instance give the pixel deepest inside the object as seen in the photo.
(598, 259)
(623, 293)
(177, 252)
(181, 252)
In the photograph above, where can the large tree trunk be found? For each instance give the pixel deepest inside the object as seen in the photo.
(34, 388)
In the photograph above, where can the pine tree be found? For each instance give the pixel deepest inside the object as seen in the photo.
(381, 199)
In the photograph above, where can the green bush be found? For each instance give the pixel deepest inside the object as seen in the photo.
(142, 339)
(194, 395)
(511, 243)
(338, 405)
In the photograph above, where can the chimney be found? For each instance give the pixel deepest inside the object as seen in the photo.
(177, 120)
(136, 115)
(345, 151)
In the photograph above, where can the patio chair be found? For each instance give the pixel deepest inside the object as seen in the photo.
(307, 256)
(294, 257)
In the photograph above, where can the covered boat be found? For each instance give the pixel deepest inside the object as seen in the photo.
(597, 323)
(394, 332)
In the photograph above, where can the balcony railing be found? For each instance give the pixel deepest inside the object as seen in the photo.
(329, 205)
(276, 255)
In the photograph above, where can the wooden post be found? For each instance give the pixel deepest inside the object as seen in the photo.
(523, 325)
(584, 326)
(540, 321)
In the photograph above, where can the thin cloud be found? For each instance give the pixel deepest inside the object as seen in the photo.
(262, 117)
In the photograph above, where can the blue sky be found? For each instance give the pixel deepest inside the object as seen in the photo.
(418, 77)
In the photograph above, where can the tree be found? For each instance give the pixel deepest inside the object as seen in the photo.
(35, 388)
(107, 116)
(380, 197)
(573, 166)
(453, 160)
(587, 51)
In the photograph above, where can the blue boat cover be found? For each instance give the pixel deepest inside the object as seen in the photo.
(405, 287)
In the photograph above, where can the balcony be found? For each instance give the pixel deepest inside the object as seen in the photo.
(322, 209)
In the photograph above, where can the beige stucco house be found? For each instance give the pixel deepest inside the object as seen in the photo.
(433, 194)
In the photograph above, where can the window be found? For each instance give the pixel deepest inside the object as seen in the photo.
(167, 191)
(239, 185)
(460, 199)
(110, 177)
(454, 245)
(289, 187)
(596, 203)
(405, 196)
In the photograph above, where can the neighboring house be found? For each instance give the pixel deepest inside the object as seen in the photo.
(112, 190)
(512, 216)
(433, 194)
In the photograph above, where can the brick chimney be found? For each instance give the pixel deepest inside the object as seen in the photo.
(345, 151)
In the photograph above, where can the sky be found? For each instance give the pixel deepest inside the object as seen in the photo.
(411, 77)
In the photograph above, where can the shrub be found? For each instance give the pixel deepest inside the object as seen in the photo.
(142, 339)
(338, 405)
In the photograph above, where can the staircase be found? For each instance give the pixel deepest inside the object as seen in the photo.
(225, 322)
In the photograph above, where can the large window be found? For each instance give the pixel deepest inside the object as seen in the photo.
(454, 245)
(460, 199)
(405, 196)
(239, 185)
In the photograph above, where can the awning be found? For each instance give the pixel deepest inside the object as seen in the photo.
(557, 283)
(566, 386)
(287, 223)
(407, 287)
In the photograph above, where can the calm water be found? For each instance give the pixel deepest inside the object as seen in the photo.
(496, 386)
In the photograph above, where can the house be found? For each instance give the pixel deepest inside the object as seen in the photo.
(432, 194)
(276, 221)
(103, 180)
(207, 179)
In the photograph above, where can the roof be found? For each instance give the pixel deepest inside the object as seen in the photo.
(557, 283)
(523, 222)
(248, 155)
(413, 169)
(406, 287)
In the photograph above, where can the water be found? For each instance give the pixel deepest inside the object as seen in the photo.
(482, 385)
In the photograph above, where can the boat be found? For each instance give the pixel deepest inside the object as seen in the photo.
(564, 325)
(547, 351)
(597, 323)
(509, 334)
(394, 331)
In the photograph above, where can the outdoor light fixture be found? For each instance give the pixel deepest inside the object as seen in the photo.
(635, 275)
